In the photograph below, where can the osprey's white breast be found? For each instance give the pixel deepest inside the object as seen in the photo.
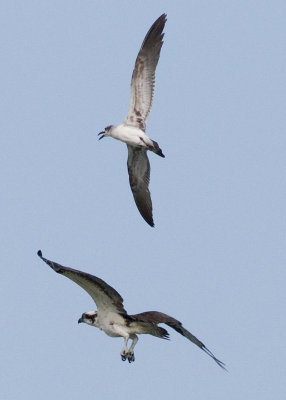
(111, 323)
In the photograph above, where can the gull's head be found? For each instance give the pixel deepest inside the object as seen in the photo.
(89, 317)
(106, 132)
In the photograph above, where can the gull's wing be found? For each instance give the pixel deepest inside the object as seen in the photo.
(139, 176)
(143, 77)
(156, 317)
(105, 297)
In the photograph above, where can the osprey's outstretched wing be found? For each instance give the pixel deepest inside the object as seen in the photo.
(143, 77)
(105, 297)
(156, 317)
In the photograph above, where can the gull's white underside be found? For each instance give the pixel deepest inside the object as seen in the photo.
(130, 135)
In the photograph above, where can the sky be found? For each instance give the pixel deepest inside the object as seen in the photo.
(216, 257)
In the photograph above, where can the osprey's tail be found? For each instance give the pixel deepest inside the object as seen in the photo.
(142, 327)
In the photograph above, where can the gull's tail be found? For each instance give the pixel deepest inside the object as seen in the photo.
(156, 149)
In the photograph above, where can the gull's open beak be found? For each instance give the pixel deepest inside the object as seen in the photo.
(80, 320)
(101, 133)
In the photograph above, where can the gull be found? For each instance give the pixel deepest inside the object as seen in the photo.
(132, 130)
(112, 318)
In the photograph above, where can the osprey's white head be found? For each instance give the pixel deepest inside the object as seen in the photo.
(90, 318)
(106, 132)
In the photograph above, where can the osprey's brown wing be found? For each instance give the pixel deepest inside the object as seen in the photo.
(156, 317)
(105, 297)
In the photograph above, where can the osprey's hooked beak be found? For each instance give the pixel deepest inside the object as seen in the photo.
(80, 320)
(101, 133)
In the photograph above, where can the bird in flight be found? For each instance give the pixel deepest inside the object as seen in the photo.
(112, 318)
(132, 130)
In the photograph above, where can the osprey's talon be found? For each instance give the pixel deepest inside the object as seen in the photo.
(131, 357)
(123, 357)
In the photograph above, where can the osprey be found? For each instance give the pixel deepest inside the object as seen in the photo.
(132, 130)
(112, 318)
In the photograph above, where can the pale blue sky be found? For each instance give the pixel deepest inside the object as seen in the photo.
(216, 258)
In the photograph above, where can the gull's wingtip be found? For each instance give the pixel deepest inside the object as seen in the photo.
(39, 253)
(162, 19)
(148, 219)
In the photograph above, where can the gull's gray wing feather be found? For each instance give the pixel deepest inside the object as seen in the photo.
(105, 297)
(143, 77)
(139, 176)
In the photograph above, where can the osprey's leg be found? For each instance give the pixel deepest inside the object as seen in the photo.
(124, 351)
(130, 353)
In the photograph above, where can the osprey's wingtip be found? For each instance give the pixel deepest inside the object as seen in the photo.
(55, 266)
(220, 363)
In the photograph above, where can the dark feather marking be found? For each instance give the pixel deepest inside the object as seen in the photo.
(145, 65)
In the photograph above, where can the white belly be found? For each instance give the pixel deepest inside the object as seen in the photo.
(130, 135)
(112, 324)
(111, 331)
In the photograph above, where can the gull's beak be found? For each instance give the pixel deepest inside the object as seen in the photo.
(101, 133)
(80, 320)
